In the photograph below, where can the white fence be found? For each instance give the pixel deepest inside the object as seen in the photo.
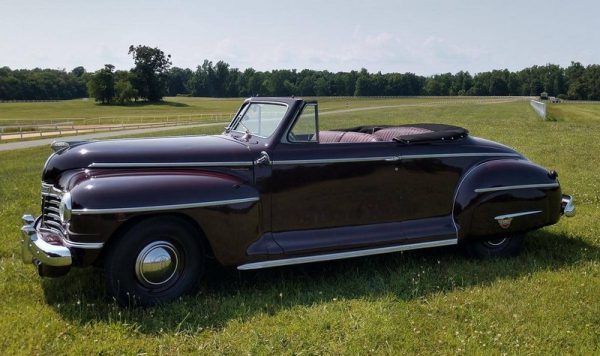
(539, 108)
(59, 127)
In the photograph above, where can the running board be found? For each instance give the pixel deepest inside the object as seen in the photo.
(343, 255)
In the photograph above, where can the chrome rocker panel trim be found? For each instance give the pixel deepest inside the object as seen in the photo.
(511, 187)
(143, 209)
(343, 255)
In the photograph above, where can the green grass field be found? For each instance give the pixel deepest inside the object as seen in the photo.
(546, 301)
(80, 110)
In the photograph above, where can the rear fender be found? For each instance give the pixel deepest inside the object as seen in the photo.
(503, 197)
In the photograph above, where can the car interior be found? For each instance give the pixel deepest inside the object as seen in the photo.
(403, 133)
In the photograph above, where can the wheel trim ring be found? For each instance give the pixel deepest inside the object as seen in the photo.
(151, 260)
(496, 242)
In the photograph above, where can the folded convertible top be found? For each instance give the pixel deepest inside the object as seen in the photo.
(428, 132)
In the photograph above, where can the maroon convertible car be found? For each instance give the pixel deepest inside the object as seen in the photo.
(274, 190)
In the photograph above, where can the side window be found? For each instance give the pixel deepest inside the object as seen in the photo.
(305, 128)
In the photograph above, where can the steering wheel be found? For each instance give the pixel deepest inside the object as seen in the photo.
(292, 137)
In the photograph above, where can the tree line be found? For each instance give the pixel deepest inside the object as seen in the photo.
(153, 77)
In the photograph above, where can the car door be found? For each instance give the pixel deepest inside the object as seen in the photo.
(333, 196)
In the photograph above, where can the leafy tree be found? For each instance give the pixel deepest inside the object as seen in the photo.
(152, 77)
(576, 84)
(125, 93)
(101, 85)
(151, 66)
(78, 71)
(592, 79)
(177, 81)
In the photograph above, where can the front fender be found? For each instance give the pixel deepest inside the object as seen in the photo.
(222, 205)
(504, 197)
(148, 191)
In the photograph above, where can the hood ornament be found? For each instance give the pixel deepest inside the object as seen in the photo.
(59, 146)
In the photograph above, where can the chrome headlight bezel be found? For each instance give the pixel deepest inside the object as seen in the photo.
(65, 207)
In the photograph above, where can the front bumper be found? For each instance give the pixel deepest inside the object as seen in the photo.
(44, 249)
(567, 207)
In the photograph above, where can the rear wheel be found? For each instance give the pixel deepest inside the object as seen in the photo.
(156, 261)
(494, 248)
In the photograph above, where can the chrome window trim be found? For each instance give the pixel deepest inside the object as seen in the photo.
(143, 209)
(511, 187)
(292, 123)
(343, 255)
(237, 118)
(167, 164)
(514, 215)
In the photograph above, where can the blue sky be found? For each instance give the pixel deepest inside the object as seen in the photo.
(424, 37)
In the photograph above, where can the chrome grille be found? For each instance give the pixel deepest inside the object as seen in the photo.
(50, 208)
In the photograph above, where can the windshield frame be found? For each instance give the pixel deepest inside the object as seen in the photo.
(236, 120)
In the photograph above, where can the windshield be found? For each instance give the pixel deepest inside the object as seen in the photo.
(261, 119)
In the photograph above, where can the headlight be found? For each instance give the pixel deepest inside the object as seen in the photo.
(64, 210)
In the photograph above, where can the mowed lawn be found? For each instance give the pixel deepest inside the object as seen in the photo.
(547, 300)
(80, 110)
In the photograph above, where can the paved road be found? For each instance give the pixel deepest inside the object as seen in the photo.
(47, 141)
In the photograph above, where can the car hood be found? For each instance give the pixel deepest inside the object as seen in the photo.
(148, 152)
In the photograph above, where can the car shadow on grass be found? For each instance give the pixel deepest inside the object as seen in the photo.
(228, 295)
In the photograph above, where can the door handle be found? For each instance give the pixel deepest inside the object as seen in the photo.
(263, 159)
(393, 159)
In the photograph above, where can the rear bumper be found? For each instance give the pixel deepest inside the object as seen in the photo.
(45, 251)
(567, 206)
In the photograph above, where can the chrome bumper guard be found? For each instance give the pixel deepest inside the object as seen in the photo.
(567, 207)
(39, 252)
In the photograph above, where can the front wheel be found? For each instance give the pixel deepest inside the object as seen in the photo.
(156, 261)
(494, 248)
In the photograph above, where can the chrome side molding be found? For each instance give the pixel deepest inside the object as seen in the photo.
(395, 158)
(167, 164)
(512, 187)
(343, 255)
(514, 215)
(142, 209)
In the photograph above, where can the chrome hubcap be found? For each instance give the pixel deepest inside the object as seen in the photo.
(496, 242)
(157, 264)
